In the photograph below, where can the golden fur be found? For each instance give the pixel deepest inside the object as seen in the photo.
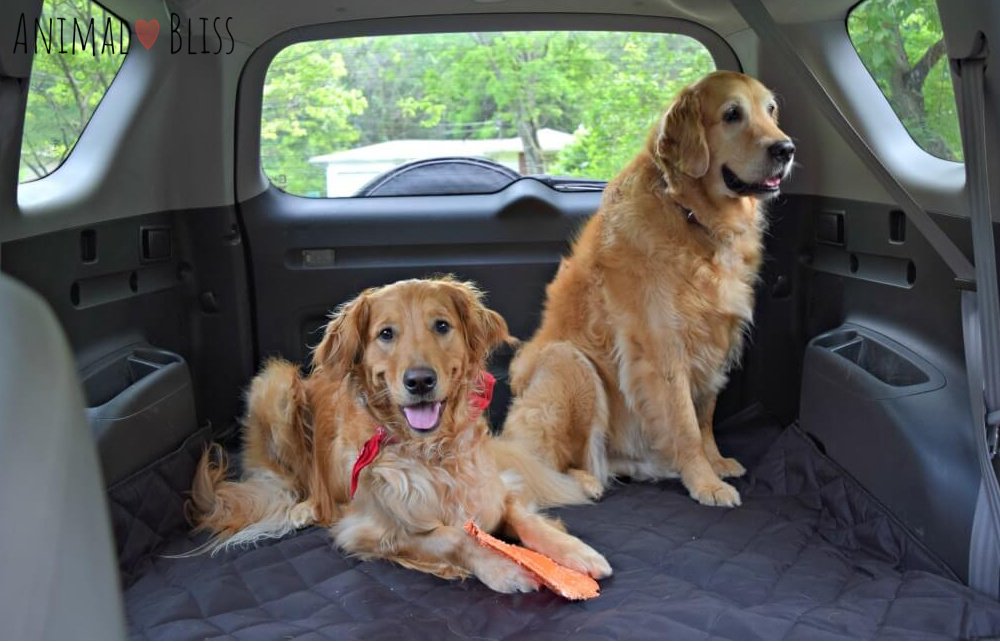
(645, 318)
(302, 436)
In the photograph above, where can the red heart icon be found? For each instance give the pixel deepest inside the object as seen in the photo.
(147, 31)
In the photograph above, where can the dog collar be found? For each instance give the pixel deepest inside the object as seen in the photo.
(479, 399)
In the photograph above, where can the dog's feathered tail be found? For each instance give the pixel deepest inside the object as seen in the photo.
(265, 504)
(238, 513)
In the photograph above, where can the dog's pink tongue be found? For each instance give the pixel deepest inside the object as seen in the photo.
(423, 416)
(774, 181)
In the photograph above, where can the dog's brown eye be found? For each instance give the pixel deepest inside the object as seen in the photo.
(732, 115)
(770, 109)
(386, 334)
(441, 326)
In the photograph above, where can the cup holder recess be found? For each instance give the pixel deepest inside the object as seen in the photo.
(140, 405)
(880, 357)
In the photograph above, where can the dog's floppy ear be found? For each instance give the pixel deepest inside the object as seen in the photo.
(484, 329)
(342, 347)
(682, 143)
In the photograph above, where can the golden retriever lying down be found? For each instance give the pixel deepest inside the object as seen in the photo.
(647, 315)
(402, 362)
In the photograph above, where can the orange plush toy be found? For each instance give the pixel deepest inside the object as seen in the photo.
(572, 585)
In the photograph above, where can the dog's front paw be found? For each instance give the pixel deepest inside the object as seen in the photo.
(716, 493)
(727, 467)
(505, 576)
(586, 560)
(302, 514)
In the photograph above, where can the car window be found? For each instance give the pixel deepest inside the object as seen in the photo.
(902, 44)
(77, 48)
(364, 116)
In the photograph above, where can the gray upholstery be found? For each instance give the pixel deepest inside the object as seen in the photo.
(58, 578)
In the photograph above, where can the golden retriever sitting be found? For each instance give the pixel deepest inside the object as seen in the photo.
(385, 442)
(647, 315)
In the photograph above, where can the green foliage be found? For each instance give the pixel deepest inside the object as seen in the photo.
(306, 113)
(388, 73)
(637, 77)
(901, 44)
(66, 87)
(519, 83)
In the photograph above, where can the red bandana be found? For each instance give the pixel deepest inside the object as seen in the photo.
(368, 454)
(482, 393)
(479, 399)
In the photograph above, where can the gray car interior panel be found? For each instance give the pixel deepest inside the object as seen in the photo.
(157, 311)
(860, 387)
(981, 309)
(15, 68)
(883, 385)
(140, 405)
(310, 254)
(59, 577)
(15, 62)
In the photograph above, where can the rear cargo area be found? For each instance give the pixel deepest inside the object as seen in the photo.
(172, 218)
(810, 554)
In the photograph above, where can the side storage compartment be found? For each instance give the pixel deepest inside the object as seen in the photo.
(894, 421)
(140, 404)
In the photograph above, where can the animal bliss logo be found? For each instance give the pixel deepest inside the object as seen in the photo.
(72, 35)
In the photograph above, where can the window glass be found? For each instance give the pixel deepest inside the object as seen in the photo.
(78, 48)
(902, 45)
(340, 116)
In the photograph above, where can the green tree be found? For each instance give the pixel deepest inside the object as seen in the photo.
(306, 112)
(65, 88)
(901, 44)
(390, 73)
(640, 73)
(518, 82)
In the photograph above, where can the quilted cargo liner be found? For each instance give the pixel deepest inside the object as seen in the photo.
(808, 555)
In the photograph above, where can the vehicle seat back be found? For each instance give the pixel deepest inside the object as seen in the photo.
(58, 575)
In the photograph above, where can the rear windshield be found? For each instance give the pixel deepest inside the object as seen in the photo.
(465, 112)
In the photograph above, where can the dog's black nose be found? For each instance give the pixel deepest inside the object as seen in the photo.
(420, 381)
(782, 150)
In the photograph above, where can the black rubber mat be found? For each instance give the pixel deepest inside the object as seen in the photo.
(808, 555)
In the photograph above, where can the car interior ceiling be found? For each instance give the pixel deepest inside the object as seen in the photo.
(146, 280)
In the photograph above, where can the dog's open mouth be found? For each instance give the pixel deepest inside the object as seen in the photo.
(769, 185)
(423, 416)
